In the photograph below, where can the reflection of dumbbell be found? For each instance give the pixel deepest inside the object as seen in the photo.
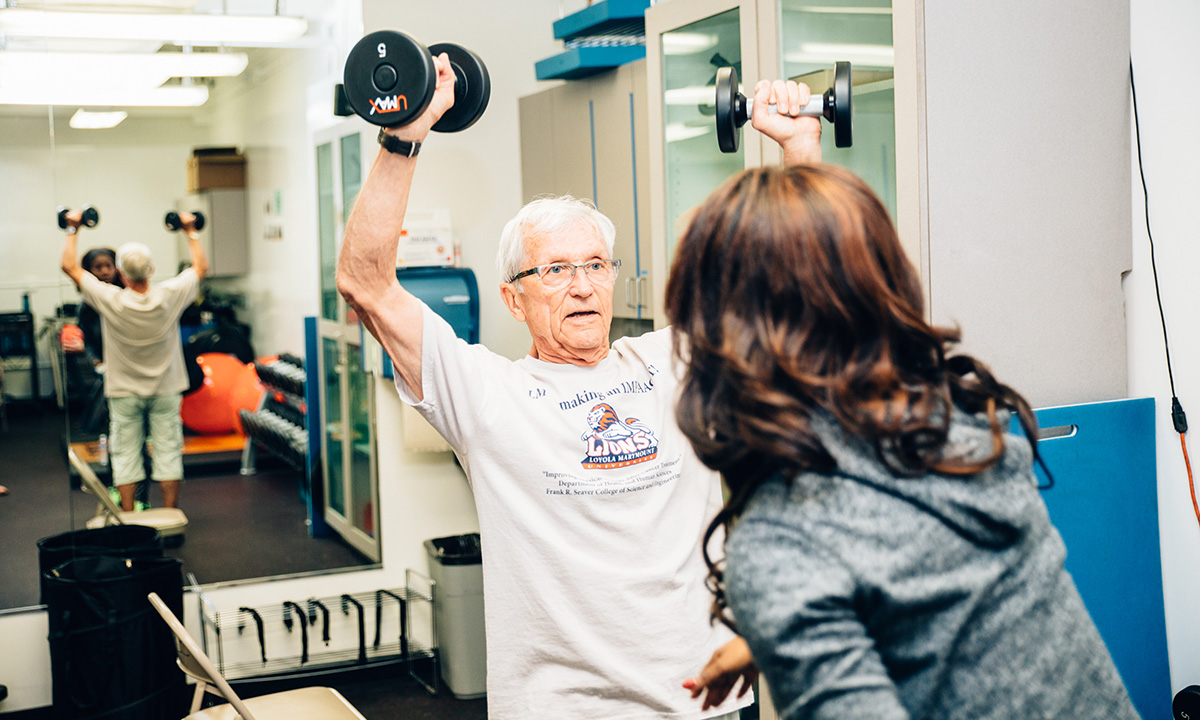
(91, 216)
(734, 108)
(390, 79)
(173, 223)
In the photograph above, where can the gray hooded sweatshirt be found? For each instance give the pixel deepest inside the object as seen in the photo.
(863, 594)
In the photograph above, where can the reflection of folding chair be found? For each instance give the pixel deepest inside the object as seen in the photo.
(171, 523)
(312, 703)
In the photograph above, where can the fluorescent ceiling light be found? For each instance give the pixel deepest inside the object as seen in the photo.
(686, 43)
(87, 120)
(173, 96)
(126, 70)
(172, 28)
(824, 53)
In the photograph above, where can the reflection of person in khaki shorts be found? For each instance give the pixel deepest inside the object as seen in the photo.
(145, 376)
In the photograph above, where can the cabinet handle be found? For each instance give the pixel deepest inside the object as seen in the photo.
(628, 280)
(641, 283)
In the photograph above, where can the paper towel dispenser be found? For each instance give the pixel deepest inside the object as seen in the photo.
(450, 292)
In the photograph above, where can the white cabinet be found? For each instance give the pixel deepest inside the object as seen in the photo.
(978, 124)
(588, 138)
(224, 237)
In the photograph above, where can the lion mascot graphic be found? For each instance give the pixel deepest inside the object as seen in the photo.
(606, 425)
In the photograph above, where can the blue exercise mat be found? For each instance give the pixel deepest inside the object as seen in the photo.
(1104, 502)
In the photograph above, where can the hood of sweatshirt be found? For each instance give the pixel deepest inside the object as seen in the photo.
(991, 508)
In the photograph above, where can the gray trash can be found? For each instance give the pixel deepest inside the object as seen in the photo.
(456, 565)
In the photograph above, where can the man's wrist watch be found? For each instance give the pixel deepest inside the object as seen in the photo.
(393, 144)
(72, 230)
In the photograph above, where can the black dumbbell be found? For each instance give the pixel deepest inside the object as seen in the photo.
(1186, 705)
(390, 79)
(172, 221)
(734, 108)
(91, 216)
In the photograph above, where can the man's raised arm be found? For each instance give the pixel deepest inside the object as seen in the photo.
(366, 273)
(187, 221)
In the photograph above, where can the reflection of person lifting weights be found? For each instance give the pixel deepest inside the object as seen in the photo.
(101, 262)
(145, 375)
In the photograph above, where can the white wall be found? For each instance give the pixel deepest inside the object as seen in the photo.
(131, 174)
(476, 174)
(29, 245)
(265, 113)
(1164, 50)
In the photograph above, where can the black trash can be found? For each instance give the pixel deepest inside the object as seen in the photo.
(111, 541)
(111, 656)
(456, 565)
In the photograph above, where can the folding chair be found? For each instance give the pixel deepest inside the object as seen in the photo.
(171, 523)
(311, 703)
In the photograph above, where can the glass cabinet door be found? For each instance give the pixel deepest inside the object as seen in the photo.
(815, 34)
(327, 240)
(695, 166)
(362, 514)
(351, 480)
(686, 43)
(333, 368)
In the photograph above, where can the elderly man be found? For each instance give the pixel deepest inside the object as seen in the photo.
(591, 504)
(145, 376)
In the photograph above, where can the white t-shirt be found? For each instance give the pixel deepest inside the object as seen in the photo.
(592, 508)
(143, 353)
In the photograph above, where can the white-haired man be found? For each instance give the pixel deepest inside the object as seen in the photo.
(591, 503)
(145, 375)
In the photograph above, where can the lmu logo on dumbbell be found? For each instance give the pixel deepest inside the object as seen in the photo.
(390, 79)
(388, 104)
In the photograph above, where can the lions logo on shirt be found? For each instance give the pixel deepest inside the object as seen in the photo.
(613, 442)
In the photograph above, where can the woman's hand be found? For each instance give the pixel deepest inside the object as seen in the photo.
(719, 676)
(799, 136)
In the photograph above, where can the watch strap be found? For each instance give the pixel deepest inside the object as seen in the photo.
(393, 144)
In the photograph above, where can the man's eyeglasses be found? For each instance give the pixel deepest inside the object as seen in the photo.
(556, 275)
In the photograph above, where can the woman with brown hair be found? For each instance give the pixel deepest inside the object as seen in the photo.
(888, 554)
(101, 262)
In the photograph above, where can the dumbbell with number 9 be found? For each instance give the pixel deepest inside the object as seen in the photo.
(390, 79)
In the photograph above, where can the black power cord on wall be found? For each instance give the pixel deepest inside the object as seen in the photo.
(1178, 417)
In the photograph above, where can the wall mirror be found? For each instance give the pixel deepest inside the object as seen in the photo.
(176, 97)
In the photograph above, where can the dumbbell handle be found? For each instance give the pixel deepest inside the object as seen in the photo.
(814, 108)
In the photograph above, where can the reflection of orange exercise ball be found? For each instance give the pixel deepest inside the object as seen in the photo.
(207, 409)
(246, 393)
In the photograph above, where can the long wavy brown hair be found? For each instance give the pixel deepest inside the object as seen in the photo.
(791, 295)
